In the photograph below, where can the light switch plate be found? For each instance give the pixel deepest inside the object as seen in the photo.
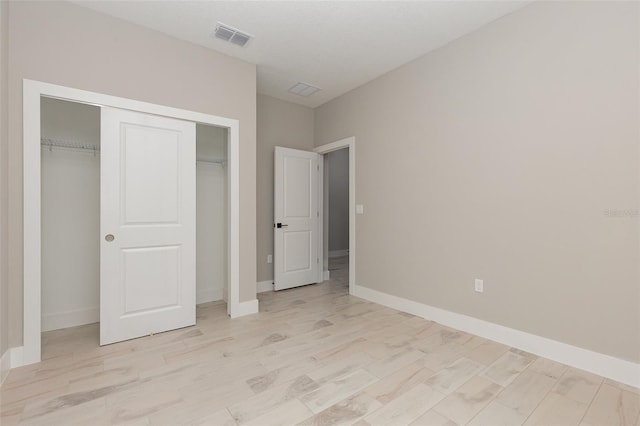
(359, 209)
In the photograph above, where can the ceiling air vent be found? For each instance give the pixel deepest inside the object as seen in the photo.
(303, 89)
(230, 34)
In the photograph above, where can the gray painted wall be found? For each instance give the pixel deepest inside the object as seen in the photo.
(4, 142)
(510, 155)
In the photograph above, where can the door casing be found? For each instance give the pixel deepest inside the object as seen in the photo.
(30, 352)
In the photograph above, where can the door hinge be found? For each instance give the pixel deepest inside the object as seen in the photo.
(317, 214)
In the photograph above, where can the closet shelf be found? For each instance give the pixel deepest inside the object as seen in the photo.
(55, 143)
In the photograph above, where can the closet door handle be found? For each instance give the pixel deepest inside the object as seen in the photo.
(109, 237)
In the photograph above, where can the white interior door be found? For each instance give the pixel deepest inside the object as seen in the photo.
(147, 223)
(297, 218)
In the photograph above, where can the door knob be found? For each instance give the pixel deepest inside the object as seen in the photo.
(109, 237)
(281, 225)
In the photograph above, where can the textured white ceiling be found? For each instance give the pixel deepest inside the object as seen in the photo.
(334, 45)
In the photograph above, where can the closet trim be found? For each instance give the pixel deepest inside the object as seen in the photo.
(32, 92)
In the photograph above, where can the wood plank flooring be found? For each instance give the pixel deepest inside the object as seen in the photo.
(312, 356)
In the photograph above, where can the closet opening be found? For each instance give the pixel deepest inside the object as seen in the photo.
(211, 213)
(70, 216)
(70, 220)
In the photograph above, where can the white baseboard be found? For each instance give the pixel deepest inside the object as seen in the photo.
(246, 308)
(70, 318)
(263, 286)
(326, 276)
(338, 253)
(17, 357)
(12, 358)
(210, 295)
(5, 365)
(604, 365)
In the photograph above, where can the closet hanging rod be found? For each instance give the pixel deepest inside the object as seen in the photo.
(212, 160)
(55, 143)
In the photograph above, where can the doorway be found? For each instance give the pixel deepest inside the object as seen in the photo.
(33, 92)
(336, 209)
(347, 147)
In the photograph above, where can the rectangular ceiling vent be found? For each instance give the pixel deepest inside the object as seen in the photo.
(230, 34)
(303, 89)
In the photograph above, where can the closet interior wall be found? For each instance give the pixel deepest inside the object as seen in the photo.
(71, 214)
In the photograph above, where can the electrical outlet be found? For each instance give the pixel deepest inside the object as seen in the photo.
(479, 285)
(269, 258)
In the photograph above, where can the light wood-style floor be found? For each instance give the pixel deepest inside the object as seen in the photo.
(313, 355)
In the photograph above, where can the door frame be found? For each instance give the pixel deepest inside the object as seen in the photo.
(350, 143)
(32, 92)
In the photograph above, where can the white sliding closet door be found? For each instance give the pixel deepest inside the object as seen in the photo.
(147, 223)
